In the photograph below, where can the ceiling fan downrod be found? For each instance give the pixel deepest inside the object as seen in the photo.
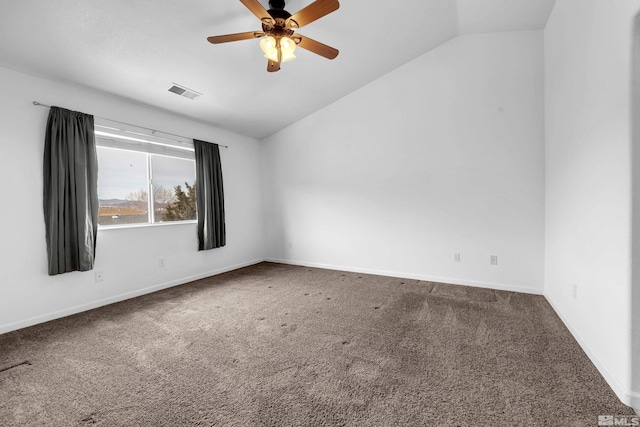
(276, 4)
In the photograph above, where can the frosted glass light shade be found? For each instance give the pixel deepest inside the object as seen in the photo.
(287, 46)
(269, 46)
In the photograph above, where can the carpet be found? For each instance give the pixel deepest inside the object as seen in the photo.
(280, 345)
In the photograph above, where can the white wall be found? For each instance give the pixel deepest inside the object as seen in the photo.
(588, 178)
(635, 282)
(128, 257)
(442, 155)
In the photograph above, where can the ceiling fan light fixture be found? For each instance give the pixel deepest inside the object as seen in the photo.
(273, 56)
(269, 46)
(287, 47)
(286, 57)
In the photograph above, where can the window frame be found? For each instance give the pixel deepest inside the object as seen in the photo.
(130, 138)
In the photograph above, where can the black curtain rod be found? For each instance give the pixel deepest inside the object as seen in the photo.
(129, 124)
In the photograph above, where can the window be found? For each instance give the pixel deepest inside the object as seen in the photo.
(174, 191)
(122, 181)
(143, 178)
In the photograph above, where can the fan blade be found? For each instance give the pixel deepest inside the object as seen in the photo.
(260, 12)
(235, 37)
(273, 66)
(317, 47)
(314, 11)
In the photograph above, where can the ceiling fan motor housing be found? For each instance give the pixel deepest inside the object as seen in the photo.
(279, 27)
(278, 13)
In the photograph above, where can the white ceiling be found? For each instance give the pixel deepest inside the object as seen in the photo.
(137, 49)
(485, 16)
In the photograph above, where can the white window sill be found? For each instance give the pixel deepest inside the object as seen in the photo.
(144, 225)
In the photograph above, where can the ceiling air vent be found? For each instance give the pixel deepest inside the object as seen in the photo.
(183, 91)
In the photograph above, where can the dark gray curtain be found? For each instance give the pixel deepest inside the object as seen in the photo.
(70, 191)
(209, 196)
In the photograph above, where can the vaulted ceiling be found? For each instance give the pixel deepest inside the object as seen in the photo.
(137, 49)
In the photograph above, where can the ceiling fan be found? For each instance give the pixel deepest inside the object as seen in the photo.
(278, 30)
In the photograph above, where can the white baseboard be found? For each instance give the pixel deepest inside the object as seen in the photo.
(117, 298)
(626, 396)
(404, 275)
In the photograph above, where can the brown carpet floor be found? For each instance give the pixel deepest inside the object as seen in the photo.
(277, 345)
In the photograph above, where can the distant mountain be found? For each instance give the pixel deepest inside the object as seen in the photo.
(119, 203)
(115, 202)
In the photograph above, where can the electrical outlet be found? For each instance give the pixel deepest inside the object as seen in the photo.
(574, 291)
(161, 262)
(493, 259)
(456, 257)
(99, 276)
